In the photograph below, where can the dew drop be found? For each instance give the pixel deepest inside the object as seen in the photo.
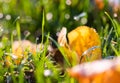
(47, 72)
(8, 17)
(67, 16)
(68, 2)
(78, 17)
(49, 16)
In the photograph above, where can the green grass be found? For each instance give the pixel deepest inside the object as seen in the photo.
(41, 66)
(35, 66)
(33, 70)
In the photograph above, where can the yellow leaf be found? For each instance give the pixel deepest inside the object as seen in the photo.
(99, 71)
(20, 50)
(83, 40)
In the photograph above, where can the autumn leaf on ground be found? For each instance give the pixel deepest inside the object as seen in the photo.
(20, 51)
(83, 40)
(19, 47)
(100, 71)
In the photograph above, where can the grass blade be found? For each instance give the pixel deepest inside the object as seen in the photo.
(43, 24)
(114, 24)
(18, 30)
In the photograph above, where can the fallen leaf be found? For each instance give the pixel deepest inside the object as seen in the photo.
(20, 51)
(81, 39)
(99, 71)
(19, 47)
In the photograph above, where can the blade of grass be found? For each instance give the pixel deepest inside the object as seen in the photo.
(18, 30)
(113, 23)
(115, 50)
(43, 24)
(117, 26)
(39, 71)
(11, 41)
(13, 75)
(106, 42)
(61, 50)
(21, 77)
(40, 63)
(46, 44)
(16, 19)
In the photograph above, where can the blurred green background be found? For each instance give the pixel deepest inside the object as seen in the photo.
(58, 14)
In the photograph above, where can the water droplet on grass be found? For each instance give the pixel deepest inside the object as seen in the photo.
(79, 16)
(8, 17)
(47, 72)
(49, 16)
(68, 2)
(67, 16)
